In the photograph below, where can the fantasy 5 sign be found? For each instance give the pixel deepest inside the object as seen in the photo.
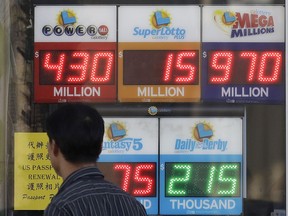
(130, 158)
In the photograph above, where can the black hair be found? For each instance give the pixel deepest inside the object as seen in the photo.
(78, 130)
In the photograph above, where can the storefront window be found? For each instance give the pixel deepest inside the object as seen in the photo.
(242, 104)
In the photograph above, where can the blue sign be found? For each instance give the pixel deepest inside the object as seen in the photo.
(243, 72)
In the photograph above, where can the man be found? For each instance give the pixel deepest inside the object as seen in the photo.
(75, 134)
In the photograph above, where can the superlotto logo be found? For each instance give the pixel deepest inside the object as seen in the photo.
(236, 24)
(160, 22)
(66, 24)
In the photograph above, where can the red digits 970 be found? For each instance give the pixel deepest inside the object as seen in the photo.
(245, 67)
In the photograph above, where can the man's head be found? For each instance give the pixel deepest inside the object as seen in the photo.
(78, 131)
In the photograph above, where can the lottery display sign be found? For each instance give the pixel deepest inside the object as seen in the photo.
(130, 158)
(159, 54)
(201, 166)
(74, 56)
(243, 59)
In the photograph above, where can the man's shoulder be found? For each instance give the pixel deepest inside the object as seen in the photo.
(105, 197)
(91, 187)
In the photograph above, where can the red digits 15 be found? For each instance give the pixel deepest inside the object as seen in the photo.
(180, 66)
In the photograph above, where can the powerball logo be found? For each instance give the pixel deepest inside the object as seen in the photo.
(236, 24)
(66, 24)
(160, 22)
(118, 142)
(202, 140)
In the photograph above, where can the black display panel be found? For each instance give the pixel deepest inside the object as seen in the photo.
(137, 178)
(245, 67)
(160, 67)
(76, 67)
(202, 179)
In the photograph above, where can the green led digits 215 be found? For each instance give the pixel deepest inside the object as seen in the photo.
(197, 179)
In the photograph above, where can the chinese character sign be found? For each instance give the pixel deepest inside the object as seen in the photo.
(35, 181)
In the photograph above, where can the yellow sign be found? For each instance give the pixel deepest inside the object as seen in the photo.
(35, 181)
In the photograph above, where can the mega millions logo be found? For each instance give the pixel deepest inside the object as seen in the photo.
(236, 24)
(66, 24)
(118, 140)
(202, 140)
(160, 21)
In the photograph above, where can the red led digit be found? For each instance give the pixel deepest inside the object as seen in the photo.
(82, 67)
(149, 182)
(95, 77)
(252, 66)
(248, 67)
(189, 67)
(181, 66)
(222, 61)
(58, 67)
(76, 67)
(127, 169)
(168, 67)
(136, 178)
(276, 57)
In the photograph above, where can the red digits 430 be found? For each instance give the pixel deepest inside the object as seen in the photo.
(82, 59)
